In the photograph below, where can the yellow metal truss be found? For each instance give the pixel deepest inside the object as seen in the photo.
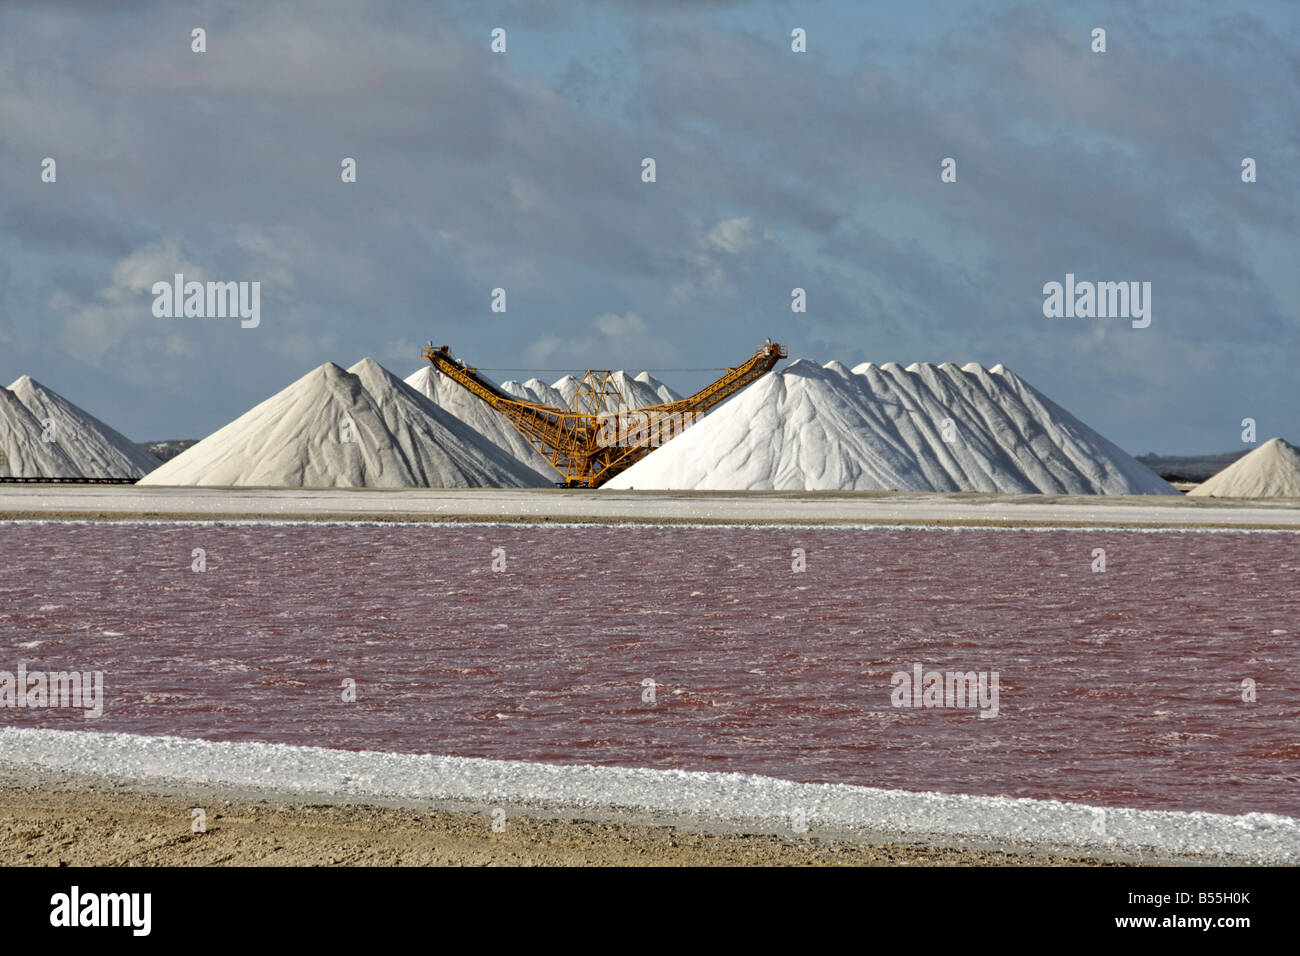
(595, 439)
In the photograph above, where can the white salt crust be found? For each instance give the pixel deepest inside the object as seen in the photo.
(777, 804)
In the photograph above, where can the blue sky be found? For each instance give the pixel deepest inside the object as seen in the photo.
(776, 170)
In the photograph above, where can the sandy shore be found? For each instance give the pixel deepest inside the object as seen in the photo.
(80, 824)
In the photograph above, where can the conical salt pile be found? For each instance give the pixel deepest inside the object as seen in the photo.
(94, 449)
(665, 393)
(478, 415)
(534, 390)
(1270, 471)
(636, 392)
(346, 429)
(923, 428)
(24, 452)
(421, 427)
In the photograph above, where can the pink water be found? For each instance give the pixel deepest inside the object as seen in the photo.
(1119, 688)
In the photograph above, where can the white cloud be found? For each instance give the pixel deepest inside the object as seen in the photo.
(270, 257)
(620, 325)
(718, 257)
(735, 235)
(544, 348)
(125, 305)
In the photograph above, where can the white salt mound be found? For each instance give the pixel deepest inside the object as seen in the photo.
(534, 390)
(636, 391)
(404, 419)
(665, 393)
(478, 415)
(23, 452)
(294, 439)
(879, 428)
(1270, 471)
(94, 449)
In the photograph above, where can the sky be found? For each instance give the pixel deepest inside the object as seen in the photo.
(774, 170)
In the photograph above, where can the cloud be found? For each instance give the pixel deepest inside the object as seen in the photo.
(269, 260)
(733, 236)
(122, 309)
(721, 256)
(545, 348)
(621, 326)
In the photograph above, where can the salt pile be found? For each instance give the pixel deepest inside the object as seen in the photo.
(1270, 471)
(43, 435)
(636, 391)
(403, 406)
(665, 393)
(363, 427)
(25, 454)
(813, 427)
(535, 390)
(478, 415)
